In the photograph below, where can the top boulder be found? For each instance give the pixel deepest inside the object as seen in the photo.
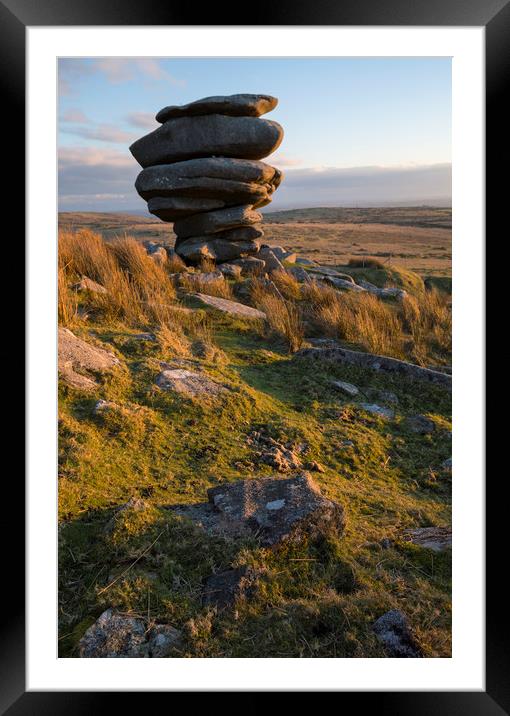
(234, 105)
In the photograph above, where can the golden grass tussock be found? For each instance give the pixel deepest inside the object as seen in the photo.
(359, 318)
(287, 284)
(175, 264)
(195, 283)
(67, 300)
(139, 291)
(366, 262)
(427, 317)
(173, 340)
(283, 315)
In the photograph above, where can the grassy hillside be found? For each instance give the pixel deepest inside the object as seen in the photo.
(315, 599)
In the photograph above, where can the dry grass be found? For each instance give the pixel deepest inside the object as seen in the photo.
(175, 264)
(428, 319)
(366, 262)
(283, 315)
(287, 284)
(207, 266)
(195, 283)
(173, 340)
(67, 300)
(358, 318)
(139, 290)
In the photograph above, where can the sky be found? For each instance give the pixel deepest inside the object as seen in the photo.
(358, 131)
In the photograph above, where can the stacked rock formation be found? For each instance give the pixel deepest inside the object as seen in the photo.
(201, 170)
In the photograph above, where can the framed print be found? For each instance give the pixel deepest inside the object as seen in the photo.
(255, 354)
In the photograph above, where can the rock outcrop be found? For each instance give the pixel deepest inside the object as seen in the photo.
(202, 171)
(394, 633)
(116, 635)
(272, 510)
(79, 361)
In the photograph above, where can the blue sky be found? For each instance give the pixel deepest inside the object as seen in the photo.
(357, 130)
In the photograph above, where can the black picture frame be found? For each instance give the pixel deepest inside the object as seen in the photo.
(494, 15)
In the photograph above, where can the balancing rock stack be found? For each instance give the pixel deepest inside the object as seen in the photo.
(201, 170)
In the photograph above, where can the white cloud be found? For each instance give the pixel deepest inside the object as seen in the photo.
(120, 69)
(333, 186)
(91, 178)
(75, 115)
(102, 133)
(145, 120)
(283, 160)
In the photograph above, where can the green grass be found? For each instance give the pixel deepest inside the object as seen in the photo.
(315, 599)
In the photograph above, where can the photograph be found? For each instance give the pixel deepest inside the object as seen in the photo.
(254, 357)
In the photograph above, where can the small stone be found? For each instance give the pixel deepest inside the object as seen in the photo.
(378, 410)
(189, 383)
(144, 337)
(343, 283)
(233, 308)
(230, 270)
(271, 262)
(447, 464)
(159, 255)
(102, 406)
(435, 538)
(392, 630)
(162, 639)
(305, 262)
(116, 635)
(87, 284)
(221, 590)
(347, 388)
(250, 265)
(314, 466)
(299, 274)
(419, 424)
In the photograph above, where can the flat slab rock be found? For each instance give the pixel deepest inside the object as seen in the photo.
(273, 510)
(346, 388)
(76, 356)
(211, 222)
(379, 410)
(376, 362)
(116, 635)
(233, 308)
(393, 631)
(189, 383)
(235, 105)
(436, 538)
(212, 135)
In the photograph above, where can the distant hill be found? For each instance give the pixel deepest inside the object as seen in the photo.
(420, 216)
(110, 223)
